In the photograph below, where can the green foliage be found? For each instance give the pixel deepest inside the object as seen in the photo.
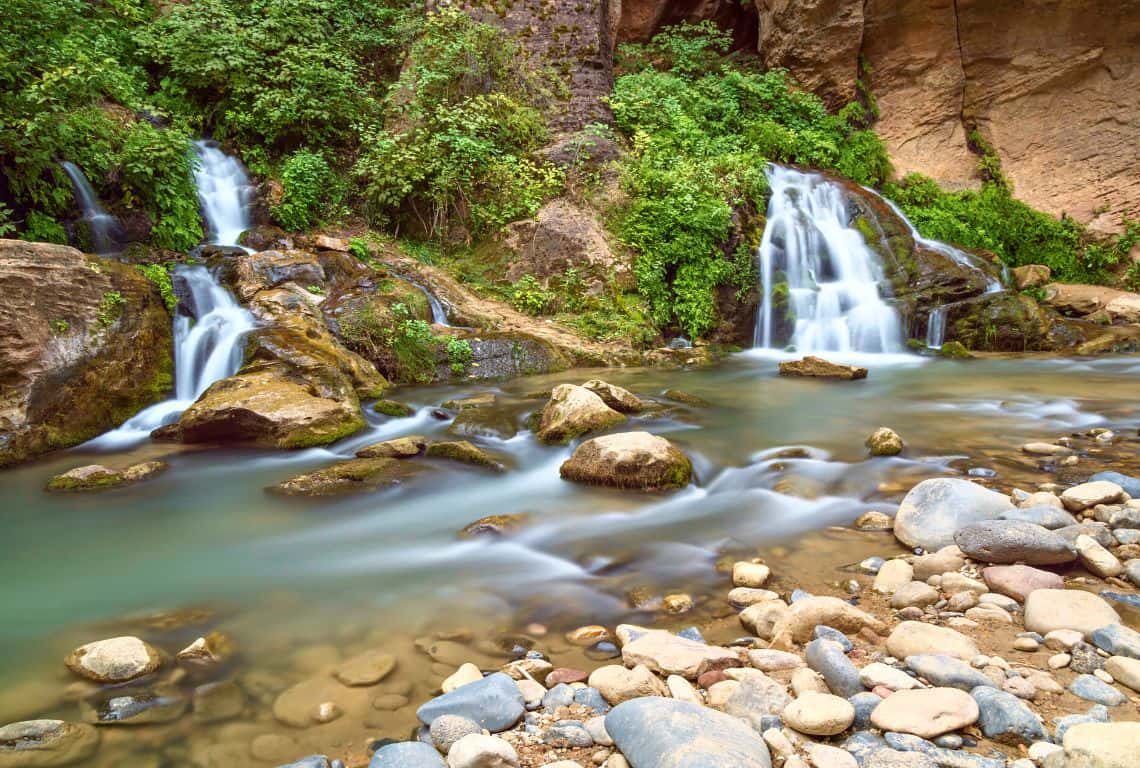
(459, 354)
(7, 225)
(528, 296)
(360, 248)
(461, 121)
(157, 166)
(310, 189)
(316, 290)
(41, 228)
(60, 327)
(992, 219)
(702, 131)
(110, 308)
(159, 274)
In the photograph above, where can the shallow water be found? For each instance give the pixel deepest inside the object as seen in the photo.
(282, 576)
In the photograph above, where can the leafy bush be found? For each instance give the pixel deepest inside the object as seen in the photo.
(459, 355)
(528, 296)
(703, 130)
(159, 275)
(309, 189)
(158, 165)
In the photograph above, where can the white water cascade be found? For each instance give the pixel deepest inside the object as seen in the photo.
(103, 225)
(438, 312)
(207, 339)
(832, 278)
(936, 327)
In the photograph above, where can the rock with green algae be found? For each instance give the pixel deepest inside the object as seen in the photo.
(466, 453)
(621, 400)
(485, 421)
(954, 350)
(634, 460)
(884, 441)
(816, 367)
(686, 398)
(353, 476)
(392, 408)
(93, 477)
(398, 448)
(494, 525)
(573, 411)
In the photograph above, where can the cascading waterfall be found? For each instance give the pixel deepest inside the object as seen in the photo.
(936, 327)
(207, 339)
(104, 227)
(438, 312)
(831, 277)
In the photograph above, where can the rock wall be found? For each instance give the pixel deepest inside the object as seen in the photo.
(84, 344)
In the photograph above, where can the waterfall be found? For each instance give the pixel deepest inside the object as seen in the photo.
(438, 312)
(936, 327)
(830, 275)
(224, 192)
(208, 338)
(104, 227)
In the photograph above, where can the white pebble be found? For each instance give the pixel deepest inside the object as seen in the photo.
(1059, 660)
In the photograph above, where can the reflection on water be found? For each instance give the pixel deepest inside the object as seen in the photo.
(776, 459)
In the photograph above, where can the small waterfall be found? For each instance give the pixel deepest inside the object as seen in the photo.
(831, 277)
(936, 327)
(104, 227)
(438, 312)
(224, 192)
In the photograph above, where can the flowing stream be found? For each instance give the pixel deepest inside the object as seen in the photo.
(818, 269)
(209, 334)
(104, 227)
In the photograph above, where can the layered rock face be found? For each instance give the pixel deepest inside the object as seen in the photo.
(84, 343)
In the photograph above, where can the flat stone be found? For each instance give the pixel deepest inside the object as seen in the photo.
(1045, 449)
(767, 660)
(367, 668)
(819, 714)
(494, 702)
(1124, 670)
(478, 751)
(829, 660)
(1092, 688)
(407, 754)
(110, 706)
(668, 654)
(1045, 515)
(654, 732)
(917, 594)
(816, 367)
(893, 758)
(567, 734)
(115, 660)
(1010, 541)
(947, 671)
(1049, 609)
(618, 684)
(1087, 495)
(1017, 581)
(1005, 718)
(1131, 485)
(756, 697)
(1117, 640)
(927, 713)
(41, 743)
(745, 574)
(879, 674)
(893, 575)
(1096, 559)
(934, 509)
(911, 638)
(1102, 745)
(399, 448)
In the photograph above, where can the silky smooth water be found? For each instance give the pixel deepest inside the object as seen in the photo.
(224, 192)
(936, 328)
(104, 227)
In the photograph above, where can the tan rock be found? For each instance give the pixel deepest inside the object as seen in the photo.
(367, 668)
(670, 654)
(574, 411)
(398, 448)
(804, 615)
(1088, 495)
(745, 574)
(1100, 745)
(926, 713)
(1096, 559)
(115, 660)
(1031, 276)
(618, 684)
(817, 367)
(819, 714)
(1050, 609)
(762, 618)
(636, 460)
(621, 400)
(912, 638)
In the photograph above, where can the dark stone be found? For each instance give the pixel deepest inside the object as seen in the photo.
(947, 671)
(1005, 718)
(1085, 659)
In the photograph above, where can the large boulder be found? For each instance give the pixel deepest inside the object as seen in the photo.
(999, 322)
(1013, 541)
(629, 460)
(573, 411)
(353, 476)
(41, 743)
(935, 509)
(1099, 745)
(1050, 609)
(817, 367)
(85, 343)
(655, 732)
(564, 235)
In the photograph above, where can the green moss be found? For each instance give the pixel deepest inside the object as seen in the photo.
(110, 308)
(393, 409)
(464, 452)
(323, 435)
(954, 349)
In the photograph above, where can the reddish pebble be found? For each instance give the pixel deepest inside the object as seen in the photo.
(856, 653)
(711, 678)
(565, 675)
(881, 691)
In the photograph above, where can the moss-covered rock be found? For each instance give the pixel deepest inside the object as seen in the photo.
(488, 421)
(353, 476)
(465, 452)
(573, 411)
(399, 448)
(635, 460)
(999, 322)
(621, 400)
(85, 343)
(687, 398)
(392, 408)
(494, 525)
(954, 350)
(816, 367)
(94, 477)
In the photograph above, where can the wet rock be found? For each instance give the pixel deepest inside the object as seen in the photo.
(95, 477)
(621, 400)
(884, 441)
(618, 684)
(913, 638)
(687, 398)
(42, 743)
(745, 574)
(297, 705)
(935, 509)
(1005, 718)
(947, 671)
(216, 702)
(479, 751)
(110, 706)
(495, 525)
(1101, 745)
(1045, 449)
(1018, 581)
(1088, 495)
(393, 409)
(1096, 559)
(114, 660)
(1044, 515)
(399, 448)
(205, 652)
(1092, 688)
(574, 411)
(927, 712)
(1031, 276)
(1050, 609)
(662, 733)
(817, 367)
(367, 668)
(407, 754)
(874, 521)
(484, 422)
(636, 460)
(465, 453)
(1010, 541)
(352, 476)
(1130, 485)
(668, 654)
(829, 660)
(819, 714)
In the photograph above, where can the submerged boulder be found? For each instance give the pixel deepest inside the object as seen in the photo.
(353, 476)
(93, 477)
(465, 453)
(573, 411)
(621, 400)
(85, 343)
(817, 367)
(637, 460)
(38, 743)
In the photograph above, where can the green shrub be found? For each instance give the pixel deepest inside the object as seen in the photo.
(159, 275)
(528, 296)
(158, 164)
(40, 228)
(459, 355)
(309, 190)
